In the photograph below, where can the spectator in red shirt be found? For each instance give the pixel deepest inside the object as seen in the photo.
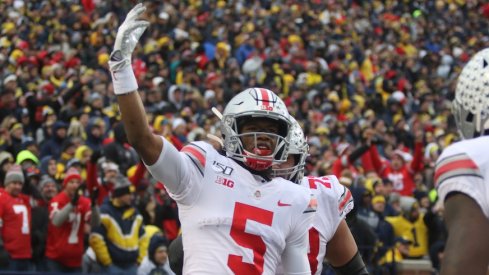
(69, 212)
(399, 171)
(15, 219)
(48, 188)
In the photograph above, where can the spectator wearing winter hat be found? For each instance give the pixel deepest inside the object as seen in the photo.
(179, 132)
(69, 212)
(393, 206)
(49, 166)
(68, 149)
(96, 102)
(33, 175)
(95, 133)
(384, 231)
(6, 161)
(26, 159)
(25, 119)
(156, 261)
(83, 154)
(31, 145)
(40, 218)
(117, 240)
(53, 145)
(15, 223)
(411, 224)
(48, 188)
(16, 137)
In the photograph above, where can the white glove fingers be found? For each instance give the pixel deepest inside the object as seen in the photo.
(135, 12)
(137, 28)
(139, 24)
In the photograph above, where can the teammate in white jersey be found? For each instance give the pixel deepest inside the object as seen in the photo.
(334, 202)
(235, 218)
(462, 174)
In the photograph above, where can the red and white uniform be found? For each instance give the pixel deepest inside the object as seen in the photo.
(15, 218)
(464, 167)
(334, 202)
(234, 222)
(65, 243)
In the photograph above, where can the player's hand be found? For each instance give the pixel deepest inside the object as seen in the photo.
(127, 37)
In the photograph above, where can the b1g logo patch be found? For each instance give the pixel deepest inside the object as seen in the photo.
(224, 181)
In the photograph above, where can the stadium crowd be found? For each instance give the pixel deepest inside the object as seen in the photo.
(370, 82)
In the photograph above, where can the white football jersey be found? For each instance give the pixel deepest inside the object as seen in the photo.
(334, 202)
(462, 167)
(233, 221)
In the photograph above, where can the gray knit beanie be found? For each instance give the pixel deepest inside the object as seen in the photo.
(14, 174)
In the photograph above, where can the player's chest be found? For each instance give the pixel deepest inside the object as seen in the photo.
(228, 194)
(228, 185)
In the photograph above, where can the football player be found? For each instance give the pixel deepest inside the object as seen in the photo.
(461, 174)
(329, 229)
(234, 216)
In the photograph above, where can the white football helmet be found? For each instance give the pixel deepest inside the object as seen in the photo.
(471, 104)
(249, 104)
(299, 149)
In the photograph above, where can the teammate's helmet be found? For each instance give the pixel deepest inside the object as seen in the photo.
(249, 104)
(299, 149)
(471, 104)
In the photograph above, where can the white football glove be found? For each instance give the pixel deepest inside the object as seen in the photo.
(127, 37)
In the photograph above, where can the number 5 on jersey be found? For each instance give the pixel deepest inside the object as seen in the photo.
(243, 213)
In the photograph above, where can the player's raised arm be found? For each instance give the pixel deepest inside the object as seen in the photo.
(139, 135)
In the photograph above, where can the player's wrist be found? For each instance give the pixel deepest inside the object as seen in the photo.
(123, 79)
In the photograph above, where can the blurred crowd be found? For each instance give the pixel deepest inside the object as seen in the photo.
(370, 82)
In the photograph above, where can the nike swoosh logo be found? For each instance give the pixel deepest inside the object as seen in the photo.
(283, 204)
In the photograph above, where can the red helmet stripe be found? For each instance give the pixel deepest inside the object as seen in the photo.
(265, 98)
